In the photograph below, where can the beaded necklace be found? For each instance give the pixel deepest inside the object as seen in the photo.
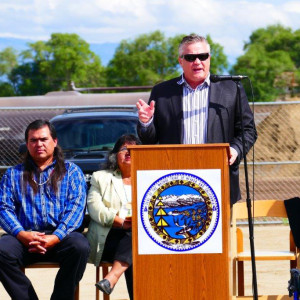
(42, 183)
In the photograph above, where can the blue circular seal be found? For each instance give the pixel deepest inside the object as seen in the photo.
(180, 211)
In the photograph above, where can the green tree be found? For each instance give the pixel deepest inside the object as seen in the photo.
(270, 54)
(72, 60)
(6, 89)
(27, 79)
(151, 58)
(143, 61)
(219, 62)
(52, 65)
(8, 61)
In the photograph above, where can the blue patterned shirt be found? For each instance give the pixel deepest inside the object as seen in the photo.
(61, 212)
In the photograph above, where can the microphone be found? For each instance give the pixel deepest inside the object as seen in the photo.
(216, 78)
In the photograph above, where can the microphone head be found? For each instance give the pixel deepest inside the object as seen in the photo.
(216, 78)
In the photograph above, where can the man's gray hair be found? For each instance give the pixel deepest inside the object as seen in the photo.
(191, 39)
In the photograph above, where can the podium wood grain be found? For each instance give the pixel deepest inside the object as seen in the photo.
(182, 276)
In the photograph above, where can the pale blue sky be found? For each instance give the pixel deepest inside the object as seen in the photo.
(229, 23)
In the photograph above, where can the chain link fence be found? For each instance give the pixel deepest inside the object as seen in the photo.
(13, 122)
(273, 164)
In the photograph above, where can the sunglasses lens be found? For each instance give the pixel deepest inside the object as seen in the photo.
(203, 56)
(192, 57)
(123, 149)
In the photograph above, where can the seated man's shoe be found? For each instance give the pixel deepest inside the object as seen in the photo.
(104, 286)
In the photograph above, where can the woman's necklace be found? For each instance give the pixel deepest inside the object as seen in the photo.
(127, 207)
(126, 181)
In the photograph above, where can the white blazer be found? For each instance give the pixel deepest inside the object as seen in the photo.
(105, 199)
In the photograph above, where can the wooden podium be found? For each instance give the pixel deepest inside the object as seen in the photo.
(182, 276)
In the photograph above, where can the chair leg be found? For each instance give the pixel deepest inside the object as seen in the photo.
(293, 264)
(97, 279)
(77, 292)
(104, 273)
(241, 287)
(234, 277)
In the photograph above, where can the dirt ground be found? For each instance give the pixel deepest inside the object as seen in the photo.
(272, 277)
(43, 281)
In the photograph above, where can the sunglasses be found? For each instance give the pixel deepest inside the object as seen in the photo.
(192, 57)
(123, 149)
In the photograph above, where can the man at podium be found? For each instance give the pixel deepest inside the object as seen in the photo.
(191, 109)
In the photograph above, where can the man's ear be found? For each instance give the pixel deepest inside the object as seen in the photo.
(180, 60)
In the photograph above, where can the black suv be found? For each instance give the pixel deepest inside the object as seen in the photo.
(86, 135)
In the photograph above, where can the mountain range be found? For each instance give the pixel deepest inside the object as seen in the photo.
(178, 200)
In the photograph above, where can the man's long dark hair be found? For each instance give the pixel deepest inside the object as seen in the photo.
(29, 168)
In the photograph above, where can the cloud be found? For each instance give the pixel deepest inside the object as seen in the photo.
(229, 23)
(292, 7)
(115, 19)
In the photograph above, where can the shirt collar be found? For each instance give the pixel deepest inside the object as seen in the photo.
(182, 81)
(48, 167)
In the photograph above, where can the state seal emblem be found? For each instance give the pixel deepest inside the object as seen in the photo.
(180, 211)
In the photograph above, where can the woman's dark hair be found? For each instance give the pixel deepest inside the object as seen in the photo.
(29, 168)
(112, 163)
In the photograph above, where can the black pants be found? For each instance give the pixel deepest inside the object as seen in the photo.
(118, 246)
(71, 254)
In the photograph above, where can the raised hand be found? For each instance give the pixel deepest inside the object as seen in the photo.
(145, 111)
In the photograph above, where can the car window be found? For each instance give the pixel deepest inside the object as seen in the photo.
(92, 134)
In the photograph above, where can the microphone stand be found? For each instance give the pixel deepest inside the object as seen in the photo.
(248, 200)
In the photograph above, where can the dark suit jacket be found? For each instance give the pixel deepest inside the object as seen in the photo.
(223, 126)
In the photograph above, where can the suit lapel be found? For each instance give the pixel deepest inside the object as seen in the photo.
(176, 101)
(215, 97)
(118, 186)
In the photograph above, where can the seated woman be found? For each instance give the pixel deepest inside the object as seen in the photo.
(108, 203)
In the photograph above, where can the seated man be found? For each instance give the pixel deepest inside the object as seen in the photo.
(42, 203)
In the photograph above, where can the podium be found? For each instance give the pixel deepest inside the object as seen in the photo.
(181, 273)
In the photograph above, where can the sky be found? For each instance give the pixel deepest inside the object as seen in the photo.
(229, 23)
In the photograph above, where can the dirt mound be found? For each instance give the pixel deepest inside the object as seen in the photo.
(279, 135)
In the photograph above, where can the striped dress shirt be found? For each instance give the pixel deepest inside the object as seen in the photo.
(59, 213)
(195, 111)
